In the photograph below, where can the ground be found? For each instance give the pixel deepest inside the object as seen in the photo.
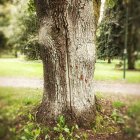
(117, 116)
(100, 86)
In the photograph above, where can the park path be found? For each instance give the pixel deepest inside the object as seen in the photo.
(100, 86)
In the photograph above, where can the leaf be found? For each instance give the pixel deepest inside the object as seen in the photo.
(66, 130)
(76, 126)
(77, 136)
(47, 137)
(56, 129)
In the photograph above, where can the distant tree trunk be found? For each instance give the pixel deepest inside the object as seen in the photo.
(131, 49)
(16, 54)
(67, 36)
(131, 57)
(109, 60)
(133, 30)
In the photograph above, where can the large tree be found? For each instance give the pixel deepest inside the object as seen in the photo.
(133, 31)
(67, 41)
(110, 35)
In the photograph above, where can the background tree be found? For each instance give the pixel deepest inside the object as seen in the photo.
(110, 35)
(4, 22)
(24, 38)
(111, 31)
(133, 31)
(67, 36)
(3, 41)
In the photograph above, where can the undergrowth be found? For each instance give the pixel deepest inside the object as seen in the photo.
(18, 119)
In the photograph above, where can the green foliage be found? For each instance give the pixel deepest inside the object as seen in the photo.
(4, 16)
(30, 131)
(131, 132)
(29, 40)
(31, 6)
(134, 110)
(32, 49)
(111, 3)
(110, 32)
(64, 132)
(4, 1)
(12, 107)
(117, 116)
(118, 104)
(22, 28)
(103, 124)
(133, 129)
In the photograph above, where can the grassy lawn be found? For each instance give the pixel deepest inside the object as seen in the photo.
(14, 103)
(18, 117)
(33, 69)
(20, 68)
(14, 100)
(107, 72)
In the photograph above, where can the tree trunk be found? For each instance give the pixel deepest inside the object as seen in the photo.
(131, 59)
(109, 60)
(16, 54)
(132, 36)
(131, 47)
(67, 37)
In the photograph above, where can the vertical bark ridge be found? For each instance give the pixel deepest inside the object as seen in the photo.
(68, 66)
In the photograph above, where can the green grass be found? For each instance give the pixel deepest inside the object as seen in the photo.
(14, 103)
(118, 104)
(18, 116)
(134, 110)
(107, 72)
(14, 99)
(20, 68)
(33, 69)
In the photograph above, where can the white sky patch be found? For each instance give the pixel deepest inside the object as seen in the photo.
(102, 10)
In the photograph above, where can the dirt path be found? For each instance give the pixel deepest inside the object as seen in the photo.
(100, 86)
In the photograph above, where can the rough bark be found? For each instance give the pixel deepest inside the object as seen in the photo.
(133, 31)
(67, 37)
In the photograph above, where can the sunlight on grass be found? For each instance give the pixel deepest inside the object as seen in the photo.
(14, 99)
(14, 94)
(107, 72)
(14, 103)
(20, 68)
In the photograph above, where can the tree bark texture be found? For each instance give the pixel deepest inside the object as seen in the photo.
(67, 36)
(133, 31)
